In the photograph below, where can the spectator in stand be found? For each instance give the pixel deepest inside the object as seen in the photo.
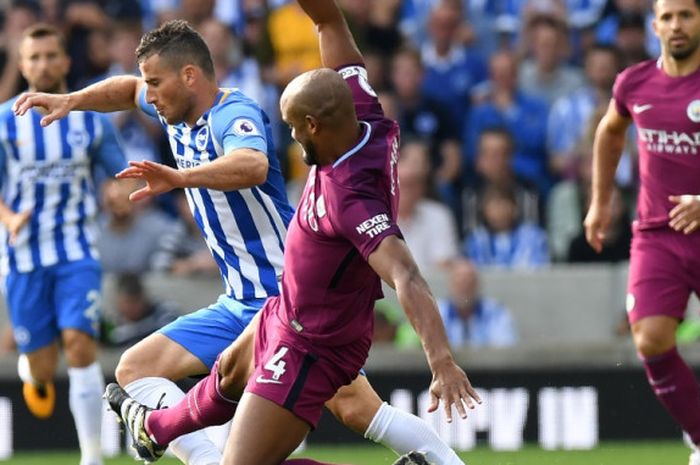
(182, 250)
(139, 133)
(545, 74)
(503, 240)
(377, 70)
(494, 168)
(195, 12)
(469, 318)
(295, 49)
(422, 117)
(499, 103)
(618, 237)
(374, 24)
(15, 19)
(294, 43)
(451, 69)
(569, 115)
(636, 14)
(137, 315)
(129, 234)
(568, 202)
(630, 39)
(78, 19)
(234, 69)
(255, 36)
(421, 219)
(566, 206)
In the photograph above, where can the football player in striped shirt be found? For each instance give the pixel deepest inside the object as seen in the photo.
(49, 264)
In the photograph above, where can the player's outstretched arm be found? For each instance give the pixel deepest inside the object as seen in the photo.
(111, 94)
(337, 45)
(240, 169)
(607, 148)
(394, 264)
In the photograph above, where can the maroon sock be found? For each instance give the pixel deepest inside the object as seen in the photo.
(202, 406)
(677, 389)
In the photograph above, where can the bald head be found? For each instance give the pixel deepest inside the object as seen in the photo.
(321, 94)
(464, 282)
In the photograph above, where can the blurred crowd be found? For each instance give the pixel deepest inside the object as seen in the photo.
(497, 101)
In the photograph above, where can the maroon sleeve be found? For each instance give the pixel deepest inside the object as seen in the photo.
(620, 93)
(367, 105)
(362, 218)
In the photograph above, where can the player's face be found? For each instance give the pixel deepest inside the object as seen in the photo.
(300, 134)
(677, 24)
(165, 89)
(43, 63)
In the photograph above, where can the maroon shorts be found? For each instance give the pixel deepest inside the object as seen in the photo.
(664, 270)
(296, 374)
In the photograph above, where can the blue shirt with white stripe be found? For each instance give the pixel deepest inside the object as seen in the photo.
(49, 171)
(244, 229)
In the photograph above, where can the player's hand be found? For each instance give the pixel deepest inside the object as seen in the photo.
(685, 216)
(451, 384)
(56, 105)
(159, 178)
(596, 225)
(14, 224)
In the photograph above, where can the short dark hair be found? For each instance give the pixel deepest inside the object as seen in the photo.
(129, 284)
(41, 30)
(632, 21)
(502, 132)
(547, 20)
(606, 48)
(177, 43)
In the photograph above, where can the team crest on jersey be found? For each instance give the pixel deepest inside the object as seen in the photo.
(77, 138)
(245, 127)
(201, 139)
(694, 111)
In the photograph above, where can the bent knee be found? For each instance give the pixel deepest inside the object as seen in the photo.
(352, 412)
(131, 367)
(651, 342)
(79, 348)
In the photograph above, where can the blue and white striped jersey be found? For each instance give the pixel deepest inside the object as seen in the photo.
(244, 229)
(49, 171)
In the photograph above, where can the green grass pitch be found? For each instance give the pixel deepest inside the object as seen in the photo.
(628, 453)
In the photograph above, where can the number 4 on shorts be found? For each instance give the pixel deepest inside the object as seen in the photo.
(276, 364)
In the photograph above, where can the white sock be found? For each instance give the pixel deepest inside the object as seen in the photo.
(23, 370)
(192, 449)
(86, 386)
(403, 432)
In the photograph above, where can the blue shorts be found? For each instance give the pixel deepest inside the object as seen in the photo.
(208, 331)
(47, 300)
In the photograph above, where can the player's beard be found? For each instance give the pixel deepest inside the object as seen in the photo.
(685, 52)
(49, 86)
(309, 156)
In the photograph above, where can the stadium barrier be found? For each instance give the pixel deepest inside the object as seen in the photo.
(560, 304)
(557, 409)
